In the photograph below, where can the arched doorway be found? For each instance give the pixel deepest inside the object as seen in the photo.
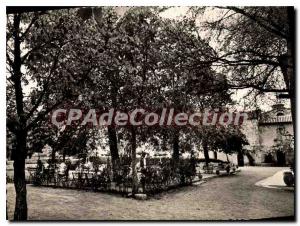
(280, 158)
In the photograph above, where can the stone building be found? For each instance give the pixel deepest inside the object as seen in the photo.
(270, 136)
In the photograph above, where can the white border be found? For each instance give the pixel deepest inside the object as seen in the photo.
(106, 3)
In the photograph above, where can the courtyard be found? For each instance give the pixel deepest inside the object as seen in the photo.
(234, 197)
(125, 113)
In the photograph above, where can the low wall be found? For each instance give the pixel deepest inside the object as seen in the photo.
(31, 163)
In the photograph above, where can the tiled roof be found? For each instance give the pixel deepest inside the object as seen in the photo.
(277, 119)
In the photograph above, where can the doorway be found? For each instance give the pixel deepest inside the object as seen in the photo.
(280, 158)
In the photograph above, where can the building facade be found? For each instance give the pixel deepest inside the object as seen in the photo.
(270, 136)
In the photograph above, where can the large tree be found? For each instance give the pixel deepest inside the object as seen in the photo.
(125, 55)
(255, 47)
(38, 47)
(101, 41)
(189, 82)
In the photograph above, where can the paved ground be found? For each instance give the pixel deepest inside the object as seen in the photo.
(222, 198)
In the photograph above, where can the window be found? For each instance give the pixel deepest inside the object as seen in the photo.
(280, 114)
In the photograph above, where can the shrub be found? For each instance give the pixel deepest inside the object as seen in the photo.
(288, 178)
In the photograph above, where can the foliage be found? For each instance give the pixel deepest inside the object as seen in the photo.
(230, 140)
(96, 162)
(165, 175)
(122, 171)
(94, 58)
(254, 48)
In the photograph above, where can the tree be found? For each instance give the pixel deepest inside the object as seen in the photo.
(38, 45)
(255, 48)
(101, 44)
(227, 139)
(188, 79)
(145, 60)
(123, 51)
(66, 140)
(231, 140)
(138, 32)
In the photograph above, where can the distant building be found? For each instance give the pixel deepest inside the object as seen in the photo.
(270, 136)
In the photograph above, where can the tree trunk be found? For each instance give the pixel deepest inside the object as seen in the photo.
(287, 63)
(251, 159)
(133, 161)
(240, 158)
(112, 136)
(113, 146)
(64, 155)
(19, 178)
(53, 159)
(291, 62)
(176, 146)
(21, 133)
(215, 155)
(227, 158)
(206, 154)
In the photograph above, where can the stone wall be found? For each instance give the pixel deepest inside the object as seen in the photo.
(268, 133)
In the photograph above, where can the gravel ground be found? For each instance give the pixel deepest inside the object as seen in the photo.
(223, 198)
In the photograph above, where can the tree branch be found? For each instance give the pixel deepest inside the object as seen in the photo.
(258, 21)
(45, 87)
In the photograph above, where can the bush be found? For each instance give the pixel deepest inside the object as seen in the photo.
(96, 162)
(121, 174)
(101, 180)
(288, 178)
(187, 172)
(166, 174)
